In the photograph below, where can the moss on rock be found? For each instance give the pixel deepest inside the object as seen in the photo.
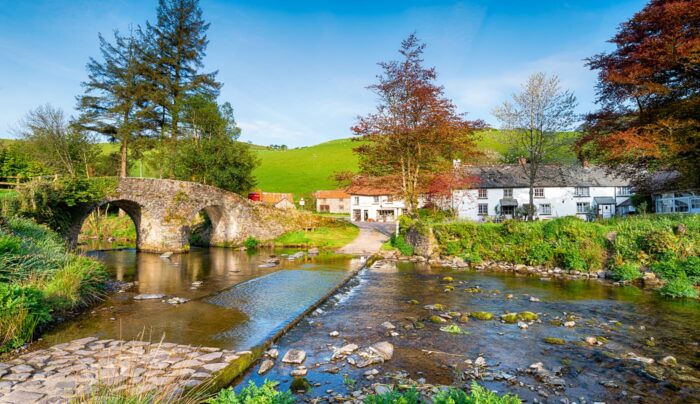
(510, 318)
(554, 341)
(482, 315)
(528, 316)
(437, 320)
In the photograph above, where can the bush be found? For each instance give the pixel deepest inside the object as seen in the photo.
(627, 271)
(265, 394)
(540, 253)
(660, 243)
(667, 269)
(22, 310)
(478, 395)
(680, 286)
(251, 243)
(400, 243)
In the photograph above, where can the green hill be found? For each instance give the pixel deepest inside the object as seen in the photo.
(305, 169)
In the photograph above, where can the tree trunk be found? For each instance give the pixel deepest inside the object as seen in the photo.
(124, 156)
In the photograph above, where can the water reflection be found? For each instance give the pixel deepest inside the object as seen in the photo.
(235, 324)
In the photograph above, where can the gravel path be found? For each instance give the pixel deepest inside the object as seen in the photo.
(370, 239)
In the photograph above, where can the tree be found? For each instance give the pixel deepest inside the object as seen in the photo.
(62, 148)
(175, 51)
(415, 131)
(209, 151)
(649, 93)
(114, 103)
(535, 124)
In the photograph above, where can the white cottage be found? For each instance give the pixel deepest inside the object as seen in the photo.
(559, 191)
(371, 204)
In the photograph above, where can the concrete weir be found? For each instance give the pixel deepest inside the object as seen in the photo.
(77, 368)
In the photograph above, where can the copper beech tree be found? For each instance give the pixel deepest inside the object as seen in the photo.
(415, 131)
(649, 92)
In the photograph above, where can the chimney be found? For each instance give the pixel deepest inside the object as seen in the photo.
(522, 161)
(585, 163)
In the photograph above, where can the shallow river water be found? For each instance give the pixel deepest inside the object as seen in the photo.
(631, 320)
(240, 304)
(237, 305)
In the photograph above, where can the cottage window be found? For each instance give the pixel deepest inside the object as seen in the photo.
(483, 209)
(582, 207)
(582, 191)
(341, 207)
(357, 200)
(539, 192)
(545, 209)
(624, 191)
(507, 192)
(376, 199)
(483, 193)
(695, 204)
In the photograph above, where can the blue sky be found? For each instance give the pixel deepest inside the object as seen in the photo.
(296, 71)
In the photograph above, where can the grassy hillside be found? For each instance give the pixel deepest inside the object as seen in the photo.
(305, 169)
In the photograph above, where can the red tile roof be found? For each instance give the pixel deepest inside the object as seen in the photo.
(331, 194)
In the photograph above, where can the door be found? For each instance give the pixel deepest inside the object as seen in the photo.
(356, 215)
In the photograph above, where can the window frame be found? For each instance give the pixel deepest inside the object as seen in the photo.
(586, 205)
(549, 209)
(535, 192)
(507, 192)
(579, 194)
(356, 200)
(486, 209)
(375, 199)
(483, 193)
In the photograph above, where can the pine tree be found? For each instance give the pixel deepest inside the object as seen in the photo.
(176, 48)
(114, 103)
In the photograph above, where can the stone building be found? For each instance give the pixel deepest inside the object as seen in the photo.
(278, 199)
(332, 201)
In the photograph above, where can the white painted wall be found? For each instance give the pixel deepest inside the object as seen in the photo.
(369, 207)
(562, 200)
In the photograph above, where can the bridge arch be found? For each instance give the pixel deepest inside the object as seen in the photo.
(132, 209)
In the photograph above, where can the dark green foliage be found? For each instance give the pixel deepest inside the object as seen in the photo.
(22, 310)
(16, 161)
(251, 243)
(679, 286)
(477, 395)
(394, 397)
(39, 276)
(265, 394)
(58, 203)
(627, 271)
(659, 243)
(400, 243)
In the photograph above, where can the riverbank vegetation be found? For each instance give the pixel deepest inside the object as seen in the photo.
(40, 280)
(666, 245)
(104, 225)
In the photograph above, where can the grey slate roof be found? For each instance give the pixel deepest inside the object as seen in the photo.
(604, 200)
(513, 176)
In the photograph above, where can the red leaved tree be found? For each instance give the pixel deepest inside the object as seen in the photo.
(649, 92)
(415, 131)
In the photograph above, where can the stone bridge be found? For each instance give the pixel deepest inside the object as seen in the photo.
(164, 210)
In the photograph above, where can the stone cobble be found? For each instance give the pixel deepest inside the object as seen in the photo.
(73, 369)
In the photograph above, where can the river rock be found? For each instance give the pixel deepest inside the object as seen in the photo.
(534, 299)
(299, 372)
(333, 333)
(480, 361)
(294, 356)
(149, 296)
(384, 349)
(177, 300)
(273, 353)
(387, 325)
(313, 251)
(344, 351)
(267, 265)
(166, 255)
(668, 361)
(633, 356)
(265, 366)
(522, 325)
(569, 324)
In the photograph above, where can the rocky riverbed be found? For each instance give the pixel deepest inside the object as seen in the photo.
(547, 340)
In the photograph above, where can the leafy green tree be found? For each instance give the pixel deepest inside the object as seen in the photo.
(62, 148)
(209, 151)
(16, 161)
(175, 49)
(114, 103)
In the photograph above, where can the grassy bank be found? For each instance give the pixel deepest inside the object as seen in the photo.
(329, 234)
(668, 245)
(105, 226)
(39, 280)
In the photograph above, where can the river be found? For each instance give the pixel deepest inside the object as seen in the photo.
(240, 304)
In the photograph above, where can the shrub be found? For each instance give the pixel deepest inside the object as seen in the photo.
(627, 271)
(251, 243)
(668, 269)
(400, 243)
(22, 310)
(679, 287)
(394, 397)
(660, 243)
(265, 394)
(540, 253)
(691, 266)
(478, 395)
(570, 258)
